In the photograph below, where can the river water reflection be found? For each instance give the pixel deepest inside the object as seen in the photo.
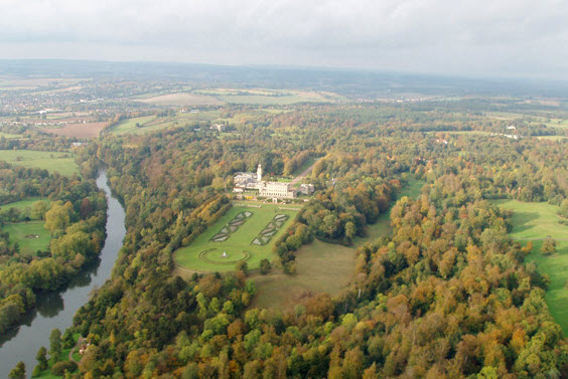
(56, 309)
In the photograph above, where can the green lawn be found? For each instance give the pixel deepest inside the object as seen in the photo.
(237, 245)
(535, 221)
(24, 234)
(23, 204)
(63, 163)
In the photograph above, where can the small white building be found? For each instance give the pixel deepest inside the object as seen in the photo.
(307, 189)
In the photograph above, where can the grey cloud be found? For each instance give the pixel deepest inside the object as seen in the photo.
(478, 37)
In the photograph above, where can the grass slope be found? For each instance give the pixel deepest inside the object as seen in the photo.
(535, 221)
(20, 231)
(239, 241)
(62, 163)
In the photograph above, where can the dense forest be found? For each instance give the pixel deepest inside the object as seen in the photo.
(447, 294)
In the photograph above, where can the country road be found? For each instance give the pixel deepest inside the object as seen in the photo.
(303, 174)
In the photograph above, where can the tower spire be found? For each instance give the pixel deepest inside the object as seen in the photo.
(259, 173)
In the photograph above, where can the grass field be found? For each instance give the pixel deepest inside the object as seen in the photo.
(22, 205)
(152, 123)
(79, 130)
(181, 99)
(535, 221)
(321, 266)
(25, 233)
(205, 255)
(269, 96)
(62, 163)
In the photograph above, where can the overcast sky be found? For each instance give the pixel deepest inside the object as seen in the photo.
(525, 38)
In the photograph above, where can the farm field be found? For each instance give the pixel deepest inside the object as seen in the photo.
(60, 162)
(181, 99)
(79, 130)
(533, 222)
(148, 124)
(268, 96)
(31, 236)
(205, 254)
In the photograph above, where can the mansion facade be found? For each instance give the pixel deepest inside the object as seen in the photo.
(276, 190)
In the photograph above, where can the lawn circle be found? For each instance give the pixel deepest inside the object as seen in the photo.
(215, 256)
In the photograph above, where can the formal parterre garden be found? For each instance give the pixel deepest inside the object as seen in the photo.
(242, 234)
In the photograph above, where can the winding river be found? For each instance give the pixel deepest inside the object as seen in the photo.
(56, 309)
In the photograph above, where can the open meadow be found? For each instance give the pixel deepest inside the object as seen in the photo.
(242, 234)
(534, 222)
(60, 162)
(30, 236)
(321, 266)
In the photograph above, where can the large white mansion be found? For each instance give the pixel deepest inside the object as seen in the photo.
(248, 180)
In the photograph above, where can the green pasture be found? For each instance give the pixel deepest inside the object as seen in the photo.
(60, 162)
(148, 124)
(534, 222)
(204, 254)
(31, 236)
(23, 205)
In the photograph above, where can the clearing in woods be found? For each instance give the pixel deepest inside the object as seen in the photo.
(321, 266)
(534, 222)
(24, 205)
(30, 236)
(60, 162)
